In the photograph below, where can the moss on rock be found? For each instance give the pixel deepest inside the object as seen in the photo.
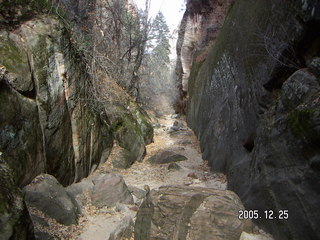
(302, 124)
(15, 60)
(143, 120)
(129, 135)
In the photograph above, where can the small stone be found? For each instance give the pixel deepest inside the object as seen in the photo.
(134, 208)
(173, 166)
(137, 192)
(121, 208)
(185, 142)
(192, 175)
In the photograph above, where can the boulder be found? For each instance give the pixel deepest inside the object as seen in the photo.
(179, 212)
(108, 190)
(102, 189)
(39, 225)
(300, 86)
(144, 121)
(122, 158)
(166, 157)
(314, 66)
(48, 195)
(79, 191)
(128, 133)
(285, 161)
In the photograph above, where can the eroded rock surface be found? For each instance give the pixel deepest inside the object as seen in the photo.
(254, 103)
(46, 98)
(178, 212)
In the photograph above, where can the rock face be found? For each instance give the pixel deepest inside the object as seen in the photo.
(15, 222)
(255, 108)
(198, 31)
(49, 120)
(48, 195)
(50, 110)
(178, 212)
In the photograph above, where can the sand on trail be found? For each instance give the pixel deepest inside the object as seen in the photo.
(98, 225)
(182, 142)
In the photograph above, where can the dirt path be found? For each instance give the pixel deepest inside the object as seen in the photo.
(98, 224)
(182, 142)
(102, 224)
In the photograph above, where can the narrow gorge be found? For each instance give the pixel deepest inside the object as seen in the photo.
(104, 135)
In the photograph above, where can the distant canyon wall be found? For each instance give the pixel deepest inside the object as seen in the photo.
(198, 31)
(253, 102)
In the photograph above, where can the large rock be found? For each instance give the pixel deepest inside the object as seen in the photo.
(48, 195)
(128, 133)
(15, 223)
(166, 157)
(102, 189)
(178, 212)
(110, 189)
(122, 158)
(286, 158)
(253, 121)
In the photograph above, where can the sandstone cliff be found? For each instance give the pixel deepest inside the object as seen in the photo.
(50, 122)
(198, 31)
(254, 105)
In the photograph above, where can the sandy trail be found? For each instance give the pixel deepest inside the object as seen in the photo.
(99, 224)
(182, 142)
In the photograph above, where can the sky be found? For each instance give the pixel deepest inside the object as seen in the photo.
(172, 10)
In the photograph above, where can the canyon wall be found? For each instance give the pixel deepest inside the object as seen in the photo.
(50, 120)
(253, 102)
(45, 118)
(198, 31)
